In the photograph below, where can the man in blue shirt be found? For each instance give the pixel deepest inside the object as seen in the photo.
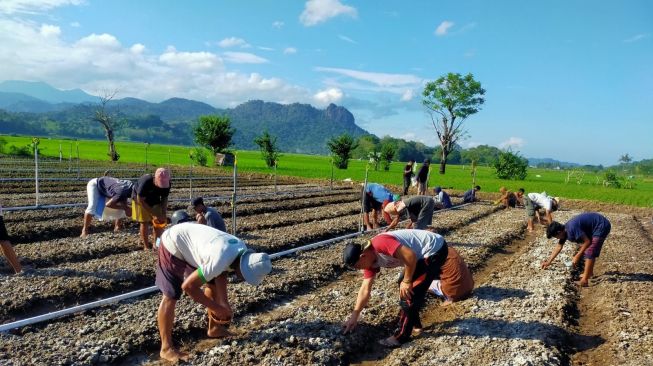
(470, 196)
(375, 198)
(588, 229)
(441, 198)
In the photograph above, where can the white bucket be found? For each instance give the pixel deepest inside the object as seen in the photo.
(111, 214)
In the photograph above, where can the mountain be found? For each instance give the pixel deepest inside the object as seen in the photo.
(45, 92)
(550, 163)
(299, 128)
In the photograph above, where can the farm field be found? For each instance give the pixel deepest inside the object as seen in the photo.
(457, 177)
(518, 313)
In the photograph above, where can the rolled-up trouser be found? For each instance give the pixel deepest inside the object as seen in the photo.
(426, 271)
(530, 207)
(95, 199)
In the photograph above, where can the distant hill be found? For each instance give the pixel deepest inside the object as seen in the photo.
(300, 128)
(45, 92)
(550, 162)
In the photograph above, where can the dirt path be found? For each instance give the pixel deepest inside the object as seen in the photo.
(618, 305)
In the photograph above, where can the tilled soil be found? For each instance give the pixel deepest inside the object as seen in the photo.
(116, 332)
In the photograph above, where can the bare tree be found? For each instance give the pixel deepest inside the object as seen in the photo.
(450, 100)
(111, 121)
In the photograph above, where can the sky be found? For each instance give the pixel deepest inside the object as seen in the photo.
(565, 79)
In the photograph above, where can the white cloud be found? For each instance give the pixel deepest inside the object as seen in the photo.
(470, 144)
(244, 58)
(289, 51)
(33, 6)
(319, 11)
(408, 95)
(443, 28)
(137, 48)
(278, 24)
(331, 95)
(347, 39)
(98, 62)
(380, 79)
(233, 42)
(512, 142)
(265, 48)
(48, 30)
(637, 37)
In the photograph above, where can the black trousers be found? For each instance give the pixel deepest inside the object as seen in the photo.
(407, 182)
(425, 272)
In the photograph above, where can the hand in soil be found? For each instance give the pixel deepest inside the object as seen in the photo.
(583, 282)
(350, 324)
(173, 355)
(545, 264)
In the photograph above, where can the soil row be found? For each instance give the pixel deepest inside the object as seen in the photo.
(29, 226)
(116, 332)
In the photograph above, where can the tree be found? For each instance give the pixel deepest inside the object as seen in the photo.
(625, 159)
(341, 148)
(450, 100)
(387, 154)
(214, 133)
(269, 150)
(110, 121)
(510, 165)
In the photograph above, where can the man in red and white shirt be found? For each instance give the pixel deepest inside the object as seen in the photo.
(420, 252)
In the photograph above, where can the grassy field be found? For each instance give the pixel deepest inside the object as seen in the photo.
(313, 166)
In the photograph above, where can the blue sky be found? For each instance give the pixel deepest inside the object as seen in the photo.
(571, 80)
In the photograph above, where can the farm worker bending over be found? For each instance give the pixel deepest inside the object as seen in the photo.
(455, 281)
(422, 177)
(519, 197)
(441, 198)
(470, 195)
(533, 202)
(192, 255)
(422, 253)
(588, 229)
(106, 192)
(375, 198)
(207, 215)
(507, 199)
(149, 203)
(420, 212)
(7, 249)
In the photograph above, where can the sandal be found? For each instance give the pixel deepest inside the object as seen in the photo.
(390, 342)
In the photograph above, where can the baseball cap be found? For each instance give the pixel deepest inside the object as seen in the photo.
(437, 189)
(352, 252)
(254, 266)
(162, 178)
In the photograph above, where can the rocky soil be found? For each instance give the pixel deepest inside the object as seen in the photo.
(518, 315)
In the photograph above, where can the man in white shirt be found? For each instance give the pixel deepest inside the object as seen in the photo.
(192, 255)
(533, 202)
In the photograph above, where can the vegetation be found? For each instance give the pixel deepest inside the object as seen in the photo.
(341, 148)
(458, 177)
(198, 156)
(214, 133)
(510, 165)
(268, 146)
(450, 100)
(386, 155)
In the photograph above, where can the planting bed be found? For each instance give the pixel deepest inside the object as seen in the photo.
(518, 314)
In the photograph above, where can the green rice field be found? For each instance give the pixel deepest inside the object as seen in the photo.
(315, 166)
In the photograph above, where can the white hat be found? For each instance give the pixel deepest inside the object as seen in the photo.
(254, 266)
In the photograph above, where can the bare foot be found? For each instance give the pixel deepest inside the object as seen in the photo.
(390, 342)
(83, 235)
(173, 355)
(446, 303)
(583, 283)
(417, 332)
(218, 331)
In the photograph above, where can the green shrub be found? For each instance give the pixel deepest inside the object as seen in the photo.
(510, 165)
